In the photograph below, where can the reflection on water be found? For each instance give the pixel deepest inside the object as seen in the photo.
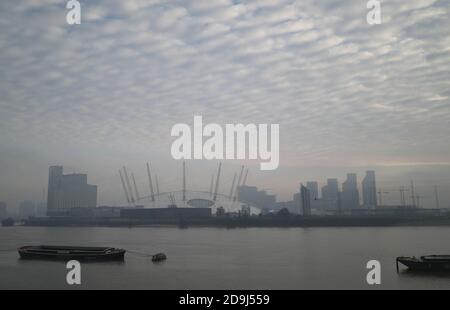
(219, 258)
(425, 274)
(58, 261)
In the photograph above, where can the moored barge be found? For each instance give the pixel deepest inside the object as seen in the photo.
(426, 263)
(53, 252)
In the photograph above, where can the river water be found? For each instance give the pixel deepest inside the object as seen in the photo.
(219, 258)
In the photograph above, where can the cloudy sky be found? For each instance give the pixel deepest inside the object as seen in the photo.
(348, 96)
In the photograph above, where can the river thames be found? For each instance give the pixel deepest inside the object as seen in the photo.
(219, 258)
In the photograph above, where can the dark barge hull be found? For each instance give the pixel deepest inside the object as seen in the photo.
(50, 252)
(426, 263)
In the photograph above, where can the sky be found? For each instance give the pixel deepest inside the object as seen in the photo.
(348, 96)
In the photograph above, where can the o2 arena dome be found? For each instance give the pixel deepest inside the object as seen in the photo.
(187, 198)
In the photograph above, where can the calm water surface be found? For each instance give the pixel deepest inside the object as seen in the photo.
(215, 258)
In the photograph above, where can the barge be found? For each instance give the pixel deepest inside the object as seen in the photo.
(53, 252)
(425, 263)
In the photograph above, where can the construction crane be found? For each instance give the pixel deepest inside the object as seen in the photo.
(418, 197)
(402, 191)
(436, 195)
(380, 197)
(413, 197)
(402, 194)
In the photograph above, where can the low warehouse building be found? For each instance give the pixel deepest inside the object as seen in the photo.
(166, 213)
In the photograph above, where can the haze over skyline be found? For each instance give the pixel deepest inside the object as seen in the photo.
(348, 96)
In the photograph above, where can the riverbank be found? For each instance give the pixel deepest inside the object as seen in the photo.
(253, 221)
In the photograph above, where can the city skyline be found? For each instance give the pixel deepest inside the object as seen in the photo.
(340, 196)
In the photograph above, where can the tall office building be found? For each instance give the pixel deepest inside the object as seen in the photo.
(330, 194)
(68, 191)
(27, 209)
(369, 190)
(313, 187)
(350, 193)
(55, 174)
(306, 200)
(41, 209)
(255, 197)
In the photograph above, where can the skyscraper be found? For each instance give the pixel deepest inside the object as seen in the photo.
(68, 191)
(27, 209)
(306, 200)
(54, 183)
(369, 190)
(350, 193)
(255, 197)
(313, 187)
(330, 194)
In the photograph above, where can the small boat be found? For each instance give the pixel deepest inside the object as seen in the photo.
(426, 263)
(159, 257)
(71, 252)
